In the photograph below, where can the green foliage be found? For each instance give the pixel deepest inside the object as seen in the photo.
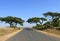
(39, 27)
(47, 25)
(18, 21)
(36, 20)
(33, 20)
(55, 22)
(52, 14)
(42, 20)
(12, 20)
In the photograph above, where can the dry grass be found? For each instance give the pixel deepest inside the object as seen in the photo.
(4, 31)
(53, 31)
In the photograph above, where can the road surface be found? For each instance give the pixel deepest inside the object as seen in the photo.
(30, 35)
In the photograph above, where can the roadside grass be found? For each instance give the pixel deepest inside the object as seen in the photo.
(5, 31)
(53, 31)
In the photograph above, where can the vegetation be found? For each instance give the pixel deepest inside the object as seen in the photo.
(41, 23)
(36, 20)
(4, 31)
(12, 21)
(53, 23)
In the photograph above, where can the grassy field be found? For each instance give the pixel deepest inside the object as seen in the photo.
(53, 31)
(5, 31)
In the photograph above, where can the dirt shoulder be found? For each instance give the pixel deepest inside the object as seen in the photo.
(48, 33)
(7, 36)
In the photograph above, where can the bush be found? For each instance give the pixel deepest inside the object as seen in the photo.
(48, 26)
(13, 27)
(57, 28)
(39, 27)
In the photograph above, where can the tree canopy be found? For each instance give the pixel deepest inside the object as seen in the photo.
(36, 20)
(12, 20)
(33, 20)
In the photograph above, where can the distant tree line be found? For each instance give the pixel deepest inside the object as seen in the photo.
(53, 23)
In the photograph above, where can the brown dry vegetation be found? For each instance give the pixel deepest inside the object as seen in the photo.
(53, 31)
(5, 31)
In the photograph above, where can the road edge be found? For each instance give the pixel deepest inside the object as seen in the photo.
(6, 37)
(50, 34)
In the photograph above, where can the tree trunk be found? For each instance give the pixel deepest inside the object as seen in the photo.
(15, 24)
(10, 25)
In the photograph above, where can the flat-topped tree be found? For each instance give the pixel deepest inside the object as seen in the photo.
(52, 14)
(34, 20)
(12, 20)
(49, 14)
(18, 21)
(42, 20)
(55, 18)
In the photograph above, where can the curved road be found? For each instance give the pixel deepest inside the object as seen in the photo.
(30, 35)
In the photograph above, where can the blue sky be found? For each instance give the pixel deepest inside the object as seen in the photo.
(27, 8)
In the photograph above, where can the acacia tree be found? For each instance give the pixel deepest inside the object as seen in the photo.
(37, 20)
(42, 20)
(51, 14)
(12, 20)
(55, 17)
(18, 21)
(34, 20)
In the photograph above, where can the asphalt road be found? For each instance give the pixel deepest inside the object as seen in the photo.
(30, 35)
